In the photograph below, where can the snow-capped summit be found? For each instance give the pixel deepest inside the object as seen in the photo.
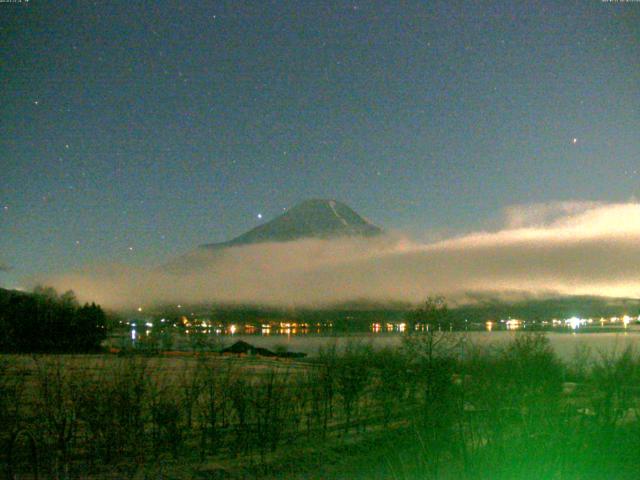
(318, 218)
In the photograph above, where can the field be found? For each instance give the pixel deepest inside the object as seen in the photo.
(416, 410)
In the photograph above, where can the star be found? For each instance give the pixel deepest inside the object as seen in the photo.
(36, 102)
(574, 140)
(259, 216)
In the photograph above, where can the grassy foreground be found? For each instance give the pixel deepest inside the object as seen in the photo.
(435, 408)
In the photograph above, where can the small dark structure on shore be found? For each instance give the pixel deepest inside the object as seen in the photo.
(241, 347)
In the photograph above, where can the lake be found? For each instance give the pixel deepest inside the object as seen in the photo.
(564, 343)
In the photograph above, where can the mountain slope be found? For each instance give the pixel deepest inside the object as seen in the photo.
(317, 218)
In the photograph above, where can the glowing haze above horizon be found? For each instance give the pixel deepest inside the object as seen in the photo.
(131, 132)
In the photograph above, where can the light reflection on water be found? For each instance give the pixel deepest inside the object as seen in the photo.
(309, 338)
(565, 344)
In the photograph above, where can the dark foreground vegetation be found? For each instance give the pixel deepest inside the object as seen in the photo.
(436, 408)
(44, 321)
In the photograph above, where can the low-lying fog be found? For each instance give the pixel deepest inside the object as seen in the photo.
(565, 248)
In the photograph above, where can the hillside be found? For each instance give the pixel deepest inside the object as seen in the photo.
(317, 218)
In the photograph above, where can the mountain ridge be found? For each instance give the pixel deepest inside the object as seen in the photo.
(313, 218)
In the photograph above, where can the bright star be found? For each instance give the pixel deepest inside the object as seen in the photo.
(574, 140)
(260, 215)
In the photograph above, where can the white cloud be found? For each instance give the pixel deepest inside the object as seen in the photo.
(568, 248)
(540, 214)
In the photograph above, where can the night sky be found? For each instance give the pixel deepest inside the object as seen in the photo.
(131, 132)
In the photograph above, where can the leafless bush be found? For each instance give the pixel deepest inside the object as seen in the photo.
(191, 384)
(614, 377)
(391, 382)
(56, 394)
(166, 418)
(323, 381)
(111, 407)
(214, 404)
(270, 402)
(352, 373)
(12, 385)
(240, 394)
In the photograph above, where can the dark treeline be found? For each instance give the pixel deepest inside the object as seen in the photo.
(44, 321)
(358, 317)
(344, 318)
(537, 309)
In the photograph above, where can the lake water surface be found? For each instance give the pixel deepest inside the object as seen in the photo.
(565, 344)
